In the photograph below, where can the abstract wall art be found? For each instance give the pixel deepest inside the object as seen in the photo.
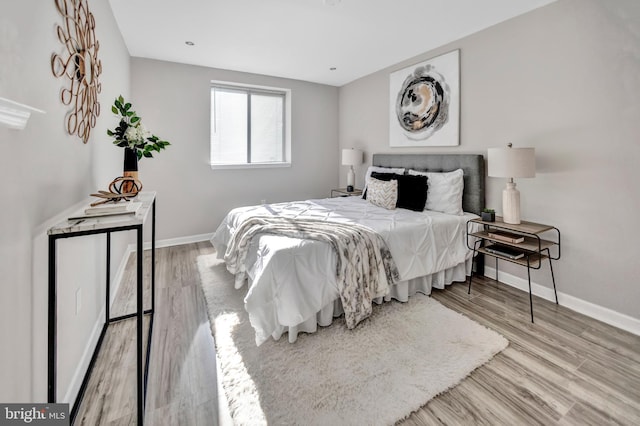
(425, 103)
(79, 66)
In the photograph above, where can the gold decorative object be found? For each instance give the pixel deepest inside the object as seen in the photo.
(80, 64)
(116, 188)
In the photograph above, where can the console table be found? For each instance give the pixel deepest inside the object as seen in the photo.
(526, 248)
(106, 225)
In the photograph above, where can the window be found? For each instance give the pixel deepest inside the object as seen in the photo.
(249, 126)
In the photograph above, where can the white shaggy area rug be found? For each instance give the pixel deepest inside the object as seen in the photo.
(376, 374)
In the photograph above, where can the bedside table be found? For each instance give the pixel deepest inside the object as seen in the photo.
(342, 192)
(520, 244)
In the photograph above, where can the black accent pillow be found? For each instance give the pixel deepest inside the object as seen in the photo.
(412, 190)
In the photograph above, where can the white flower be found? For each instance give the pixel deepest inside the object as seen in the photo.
(131, 133)
(137, 134)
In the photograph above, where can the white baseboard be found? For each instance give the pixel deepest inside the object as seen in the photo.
(169, 242)
(180, 240)
(85, 359)
(606, 315)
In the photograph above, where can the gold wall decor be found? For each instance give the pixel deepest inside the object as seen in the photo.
(79, 64)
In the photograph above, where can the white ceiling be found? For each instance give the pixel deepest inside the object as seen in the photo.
(303, 39)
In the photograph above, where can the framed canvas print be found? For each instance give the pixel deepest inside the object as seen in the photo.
(424, 102)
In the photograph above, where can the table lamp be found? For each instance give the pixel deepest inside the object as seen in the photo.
(351, 157)
(511, 163)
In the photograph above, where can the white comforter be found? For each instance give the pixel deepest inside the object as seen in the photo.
(291, 279)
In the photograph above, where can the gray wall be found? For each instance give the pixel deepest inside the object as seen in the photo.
(174, 102)
(563, 79)
(46, 171)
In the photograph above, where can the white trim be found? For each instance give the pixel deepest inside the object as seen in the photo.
(235, 85)
(85, 359)
(180, 241)
(216, 166)
(170, 242)
(15, 115)
(606, 315)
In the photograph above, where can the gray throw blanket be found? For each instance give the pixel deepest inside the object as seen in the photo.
(362, 256)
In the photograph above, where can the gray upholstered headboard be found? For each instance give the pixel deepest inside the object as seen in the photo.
(471, 164)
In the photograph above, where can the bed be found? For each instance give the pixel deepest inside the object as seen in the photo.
(291, 282)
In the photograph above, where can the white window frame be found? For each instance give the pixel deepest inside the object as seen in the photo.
(250, 88)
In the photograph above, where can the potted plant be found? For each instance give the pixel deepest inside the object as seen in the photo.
(488, 215)
(131, 135)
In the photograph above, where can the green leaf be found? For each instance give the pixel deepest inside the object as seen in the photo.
(129, 118)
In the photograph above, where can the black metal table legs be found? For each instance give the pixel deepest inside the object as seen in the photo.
(142, 354)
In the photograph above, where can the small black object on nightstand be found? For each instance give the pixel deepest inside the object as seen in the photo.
(488, 215)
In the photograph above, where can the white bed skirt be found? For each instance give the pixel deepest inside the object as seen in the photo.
(400, 291)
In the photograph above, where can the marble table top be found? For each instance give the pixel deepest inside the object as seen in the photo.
(82, 223)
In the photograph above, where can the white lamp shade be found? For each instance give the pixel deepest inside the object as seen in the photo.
(351, 157)
(512, 162)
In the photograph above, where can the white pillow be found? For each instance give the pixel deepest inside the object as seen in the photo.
(444, 191)
(383, 193)
(371, 169)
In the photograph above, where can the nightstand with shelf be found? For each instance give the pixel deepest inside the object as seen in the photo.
(342, 192)
(498, 240)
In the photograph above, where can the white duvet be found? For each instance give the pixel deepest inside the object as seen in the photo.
(291, 280)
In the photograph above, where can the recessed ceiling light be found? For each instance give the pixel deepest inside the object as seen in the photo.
(332, 69)
(189, 43)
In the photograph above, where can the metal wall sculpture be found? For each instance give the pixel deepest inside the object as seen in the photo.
(79, 64)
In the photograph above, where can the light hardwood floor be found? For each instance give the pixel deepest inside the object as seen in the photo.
(566, 369)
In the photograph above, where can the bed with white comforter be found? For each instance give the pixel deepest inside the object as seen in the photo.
(292, 282)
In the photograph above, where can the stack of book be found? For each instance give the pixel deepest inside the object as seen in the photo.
(110, 209)
(506, 251)
(506, 236)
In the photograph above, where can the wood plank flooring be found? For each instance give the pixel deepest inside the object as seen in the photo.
(566, 369)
